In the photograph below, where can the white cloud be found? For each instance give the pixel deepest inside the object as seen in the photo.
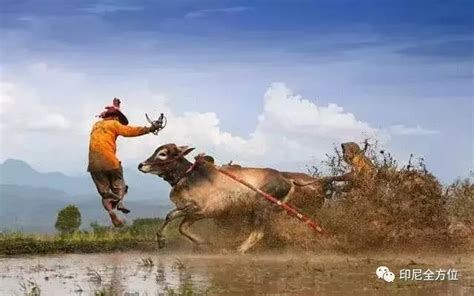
(110, 8)
(200, 130)
(48, 122)
(207, 12)
(402, 130)
(49, 112)
(289, 130)
(288, 112)
(22, 112)
(293, 129)
(6, 99)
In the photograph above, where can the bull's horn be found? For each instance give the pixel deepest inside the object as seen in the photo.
(148, 118)
(185, 149)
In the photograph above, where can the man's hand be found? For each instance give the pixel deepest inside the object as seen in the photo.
(156, 125)
(153, 128)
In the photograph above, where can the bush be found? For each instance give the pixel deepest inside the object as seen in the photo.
(460, 205)
(98, 229)
(146, 227)
(400, 206)
(460, 198)
(68, 220)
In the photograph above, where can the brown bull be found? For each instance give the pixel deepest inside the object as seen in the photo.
(201, 191)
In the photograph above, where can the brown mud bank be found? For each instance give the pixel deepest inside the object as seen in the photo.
(138, 273)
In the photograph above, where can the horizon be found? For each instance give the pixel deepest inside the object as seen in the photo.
(132, 168)
(263, 85)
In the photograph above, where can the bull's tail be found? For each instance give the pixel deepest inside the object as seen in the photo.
(302, 184)
(324, 181)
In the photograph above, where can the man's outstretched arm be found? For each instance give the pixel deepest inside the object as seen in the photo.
(132, 131)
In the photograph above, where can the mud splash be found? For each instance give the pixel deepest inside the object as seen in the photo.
(151, 273)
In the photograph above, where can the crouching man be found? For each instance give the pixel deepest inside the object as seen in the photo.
(104, 167)
(362, 170)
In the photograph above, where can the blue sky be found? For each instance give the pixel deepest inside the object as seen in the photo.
(402, 69)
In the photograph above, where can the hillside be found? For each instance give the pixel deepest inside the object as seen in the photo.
(30, 200)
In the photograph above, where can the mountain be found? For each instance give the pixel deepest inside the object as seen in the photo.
(18, 172)
(22, 206)
(34, 209)
(30, 200)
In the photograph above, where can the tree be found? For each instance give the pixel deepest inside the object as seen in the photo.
(68, 220)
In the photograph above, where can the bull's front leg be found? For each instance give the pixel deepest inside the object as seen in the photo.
(173, 214)
(188, 210)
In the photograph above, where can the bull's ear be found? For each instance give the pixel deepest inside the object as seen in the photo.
(184, 150)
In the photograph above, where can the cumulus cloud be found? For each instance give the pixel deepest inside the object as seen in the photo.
(200, 130)
(290, 129)
(402, 130)
(294, 129)
(288, 112)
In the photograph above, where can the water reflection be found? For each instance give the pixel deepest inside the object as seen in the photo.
(151, 274)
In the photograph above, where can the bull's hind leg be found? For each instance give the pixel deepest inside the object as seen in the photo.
(261, 216)
(254, 237)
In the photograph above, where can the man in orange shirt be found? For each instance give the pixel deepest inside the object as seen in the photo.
(104, 167)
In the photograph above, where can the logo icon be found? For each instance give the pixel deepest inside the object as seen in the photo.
(389, 276)
(384, 273)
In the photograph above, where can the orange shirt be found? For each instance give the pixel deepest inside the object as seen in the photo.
(102, 146)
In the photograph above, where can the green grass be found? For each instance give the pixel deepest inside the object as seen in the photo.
(75, 243)
(138, 236)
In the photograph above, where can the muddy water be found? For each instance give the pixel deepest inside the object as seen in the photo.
(282, 274)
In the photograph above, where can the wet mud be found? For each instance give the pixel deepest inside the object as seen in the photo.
(134, 273)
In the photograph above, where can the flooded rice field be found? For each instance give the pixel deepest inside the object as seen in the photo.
(196, 274)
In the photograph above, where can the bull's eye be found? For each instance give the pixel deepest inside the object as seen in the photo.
(162, 155)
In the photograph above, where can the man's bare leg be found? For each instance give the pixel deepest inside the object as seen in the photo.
(108, 204)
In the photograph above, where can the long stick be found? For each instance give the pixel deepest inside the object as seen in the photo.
(289, 209)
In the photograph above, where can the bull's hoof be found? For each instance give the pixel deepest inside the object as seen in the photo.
(161, 241)
(199, 247)
(241, 250)
(226, 252)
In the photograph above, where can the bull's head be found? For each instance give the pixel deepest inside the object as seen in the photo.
(164, 159)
